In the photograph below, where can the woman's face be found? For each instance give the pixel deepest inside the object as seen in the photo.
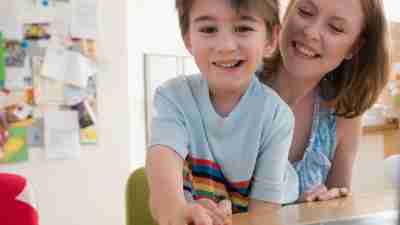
(317, 35)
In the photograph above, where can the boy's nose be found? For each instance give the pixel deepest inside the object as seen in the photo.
(226, 43)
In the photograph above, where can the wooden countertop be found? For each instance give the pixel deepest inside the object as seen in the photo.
(356, 206)
(390, 125)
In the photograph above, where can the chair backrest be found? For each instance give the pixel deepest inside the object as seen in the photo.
(17, 205)
(137, 200)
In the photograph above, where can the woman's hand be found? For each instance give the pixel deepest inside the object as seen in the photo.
(322, 193)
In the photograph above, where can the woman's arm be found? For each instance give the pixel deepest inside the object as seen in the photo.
(348, 135)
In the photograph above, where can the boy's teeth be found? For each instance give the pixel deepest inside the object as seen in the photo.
(227, 65)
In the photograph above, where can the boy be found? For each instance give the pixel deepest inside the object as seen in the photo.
(228, 133)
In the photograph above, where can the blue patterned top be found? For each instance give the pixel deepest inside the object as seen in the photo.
(314, 167)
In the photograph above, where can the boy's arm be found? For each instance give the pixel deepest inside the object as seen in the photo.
(167, 202)
(164, 174)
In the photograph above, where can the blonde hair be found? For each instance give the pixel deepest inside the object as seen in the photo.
(355, 85)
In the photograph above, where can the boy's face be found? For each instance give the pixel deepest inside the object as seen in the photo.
(227, 46)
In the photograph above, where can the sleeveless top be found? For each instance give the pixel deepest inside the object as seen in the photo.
(314, 167)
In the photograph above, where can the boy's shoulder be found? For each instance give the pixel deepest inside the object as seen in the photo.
(180, 81)
(269, 95)
(180, 87)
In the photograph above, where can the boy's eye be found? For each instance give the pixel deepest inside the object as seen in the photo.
(336, 29)
(243, 29)
(208, 29)
(305, 13)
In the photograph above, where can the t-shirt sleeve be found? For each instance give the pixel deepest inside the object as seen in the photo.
(269, 176)
(168, 127)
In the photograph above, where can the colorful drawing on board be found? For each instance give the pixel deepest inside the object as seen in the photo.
(15, 149)
(14, 54)
(37, 31)
(2, 61)
(88, 135)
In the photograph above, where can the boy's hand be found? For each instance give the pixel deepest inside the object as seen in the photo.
(221, 213)
(321, 193)
(190, 214)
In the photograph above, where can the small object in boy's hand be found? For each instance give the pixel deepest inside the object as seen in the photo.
(344, 192)
(226, 206)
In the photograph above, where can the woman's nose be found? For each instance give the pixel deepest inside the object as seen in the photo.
(312, 31)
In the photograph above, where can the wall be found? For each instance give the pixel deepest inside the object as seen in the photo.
(91, 190)
(153, 28)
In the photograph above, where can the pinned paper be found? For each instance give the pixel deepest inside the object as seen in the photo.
(9, 24)
(34, 136)
(2, 61)
(61, 134)
(74, 95)
(18, 71)
(84, 19)
(67, 66)
(15, 149)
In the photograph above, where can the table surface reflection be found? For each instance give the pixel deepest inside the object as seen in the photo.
(359, 209)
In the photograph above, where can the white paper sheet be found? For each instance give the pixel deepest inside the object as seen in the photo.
(46, 91)
(61, 130)
(67, 66)
(34, 11)
(9, 23)
(17, 77)
(84, 19)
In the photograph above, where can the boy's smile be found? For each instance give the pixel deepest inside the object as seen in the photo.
(227, 44)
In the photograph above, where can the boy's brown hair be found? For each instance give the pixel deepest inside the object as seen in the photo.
(267, 9)
(355, 85)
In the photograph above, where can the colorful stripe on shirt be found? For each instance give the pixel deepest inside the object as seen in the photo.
(204, 179)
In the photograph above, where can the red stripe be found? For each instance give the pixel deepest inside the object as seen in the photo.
(241, 184)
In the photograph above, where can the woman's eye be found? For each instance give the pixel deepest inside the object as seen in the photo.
(336, 29)
(208, 29)
(304, 12)
(243, 29)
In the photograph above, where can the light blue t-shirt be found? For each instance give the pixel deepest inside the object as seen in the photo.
(241, 156)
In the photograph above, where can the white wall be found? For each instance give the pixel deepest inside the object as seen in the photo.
(368, 172)
(152, 28)
(91, 190)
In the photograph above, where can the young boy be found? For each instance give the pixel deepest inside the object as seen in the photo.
(228, 133)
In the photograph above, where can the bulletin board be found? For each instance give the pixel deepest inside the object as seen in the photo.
(48, 66)
(159, 68)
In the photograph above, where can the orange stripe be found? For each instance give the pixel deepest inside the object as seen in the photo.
(208, 182)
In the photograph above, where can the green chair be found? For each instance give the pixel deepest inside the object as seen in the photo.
(137, 200)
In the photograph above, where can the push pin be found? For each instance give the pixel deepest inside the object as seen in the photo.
(45, 3)
(24, 44)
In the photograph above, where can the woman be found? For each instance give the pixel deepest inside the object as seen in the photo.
(331, 66)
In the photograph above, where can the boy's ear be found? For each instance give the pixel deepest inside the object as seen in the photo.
(188, 43)
(272, 43)
(356, 48)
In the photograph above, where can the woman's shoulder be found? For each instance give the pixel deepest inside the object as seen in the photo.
(348, 130)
